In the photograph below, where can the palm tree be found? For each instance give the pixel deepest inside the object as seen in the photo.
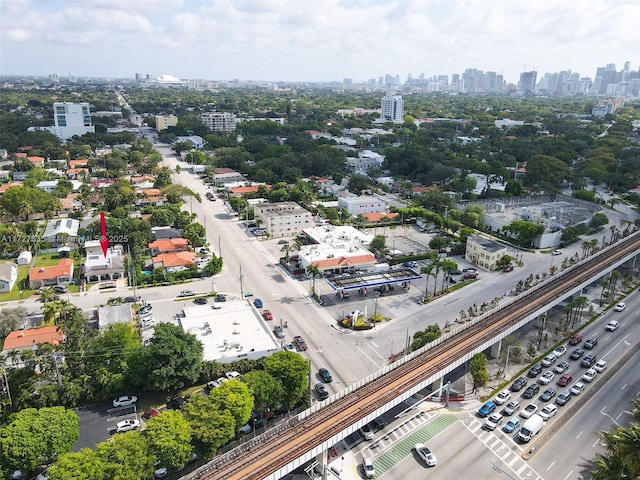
(286, 248)
(427, 271)
(585, 248)
(593, 244)
(437, 263)
(50, 312)
(448, 266)
(47, 294)
(314, 271)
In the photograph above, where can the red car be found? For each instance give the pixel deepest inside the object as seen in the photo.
(576, 339)
(267, 315)
(565, 380)
(300, 343)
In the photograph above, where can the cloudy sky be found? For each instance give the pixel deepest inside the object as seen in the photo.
(315, 40)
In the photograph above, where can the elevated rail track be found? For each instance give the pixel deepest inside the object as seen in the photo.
(269, 455)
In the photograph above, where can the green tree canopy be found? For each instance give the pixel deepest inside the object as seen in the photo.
(292, 371)
(211, 427)
(267, 391)
(126, 456)
(37, 436)
(83, 465)
(523, 231)
(169, 437)
(235, 397)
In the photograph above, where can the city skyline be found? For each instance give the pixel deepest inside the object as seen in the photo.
(310, 41)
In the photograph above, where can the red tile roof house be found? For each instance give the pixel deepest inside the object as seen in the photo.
(175, 261)
(37, 162)
(30, 338)
(151, 196)
(168, 245)
(60, 274)
(78, 163)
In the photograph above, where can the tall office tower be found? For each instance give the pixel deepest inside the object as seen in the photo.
(490, 84)
(138, 78)
(348, 83)
(527, 83)
(388, 79)
(54, 77)
(626, 71)
(392, 108)
(380, 81)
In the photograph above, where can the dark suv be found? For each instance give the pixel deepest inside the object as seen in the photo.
(519, 384)
(588, 361)
(531, 391)
(534, 371)
(589, 344)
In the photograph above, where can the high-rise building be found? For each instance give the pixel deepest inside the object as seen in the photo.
(527, 83)
(392, 108)
(219, 121)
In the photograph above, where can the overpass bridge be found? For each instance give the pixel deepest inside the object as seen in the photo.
(292, 444)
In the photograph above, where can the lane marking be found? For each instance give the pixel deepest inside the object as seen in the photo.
(596, 443)
(623, 387)
(581, 432)
(552, 464)
(611, 349)
(568, 475)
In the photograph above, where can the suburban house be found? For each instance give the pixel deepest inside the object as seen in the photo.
(30, 338)
(61, 230)
(56, 275)
(151, 196)
(246, 190)
(37, 162)
(47, 185)
(97, 267)
(484, 252)
(80, 163)
(168, 245)
(8, 276)
(174, 261)
(165, 232)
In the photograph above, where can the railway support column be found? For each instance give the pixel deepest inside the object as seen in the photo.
(495, 349)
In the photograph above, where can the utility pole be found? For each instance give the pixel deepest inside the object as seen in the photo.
(6, 385)
(241, 287)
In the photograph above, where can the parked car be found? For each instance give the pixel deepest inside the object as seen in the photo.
(549, 360)
(325, 375)
(589, 375)
(508, 268)
(150, 413)
(233, 375)
(365, 430)
(548, 411)
(486, 409)
(548, 394)
(210, 386)
(564, 380)
(290, 347)
(612, 325)
(560, 350)
(470, 275)
(494, 420)
(590, 343)
(187, 293)
(145, 309)
(378, 423)
(300, 343)
(321, 391)
(519, 384)
(600, 366)
(546, 378)
(556, 252)
(510, 408)
(618, 308)
(512, 425)
(127, 425)
(278, 331)
(410, 264)
(125, 401)
(534, 371)
(576, 339)
(425, 454)
(258, 303)
(588, 361)
(529, 410)
(60, 288)
(200, 300)
(221, 297)
(502, 397)
(577, 388)
(577, 353)
(267, 314)
(176, 403)
(561, 367)
(531, 391)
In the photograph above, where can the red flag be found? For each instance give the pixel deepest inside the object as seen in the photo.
(104, 241)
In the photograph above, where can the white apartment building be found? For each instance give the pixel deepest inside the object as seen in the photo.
(365, 161)
(283, 219)
(392, 109)
(483, 252)
(70, 119)
(218, 121)
(363, 204)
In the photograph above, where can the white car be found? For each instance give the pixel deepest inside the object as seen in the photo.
(367, 432)
(577, 388)
(620, 307)
(549, 360)
(600, 366)
(560, 350)
(548, 411)
(233, 375)
(493, 421)
(290, 347)
(612, 325)
(126, 425)
(426, 455)
(502, 397)
(556, 252)
(589, 375)
(529, 410)
(125, 401)
(546, 378)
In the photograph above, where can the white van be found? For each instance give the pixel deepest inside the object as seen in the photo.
(367, 468)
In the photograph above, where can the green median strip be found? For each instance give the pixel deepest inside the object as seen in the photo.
(403, 447)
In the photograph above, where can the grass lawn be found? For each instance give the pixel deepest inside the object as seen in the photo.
(23, 273)
(47, 260)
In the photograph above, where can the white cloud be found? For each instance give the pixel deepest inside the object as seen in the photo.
(315, 40)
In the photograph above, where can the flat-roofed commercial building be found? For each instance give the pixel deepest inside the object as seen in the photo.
(484, 252)
(283, 219)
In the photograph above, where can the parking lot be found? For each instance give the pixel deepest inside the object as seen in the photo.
(98, 422)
